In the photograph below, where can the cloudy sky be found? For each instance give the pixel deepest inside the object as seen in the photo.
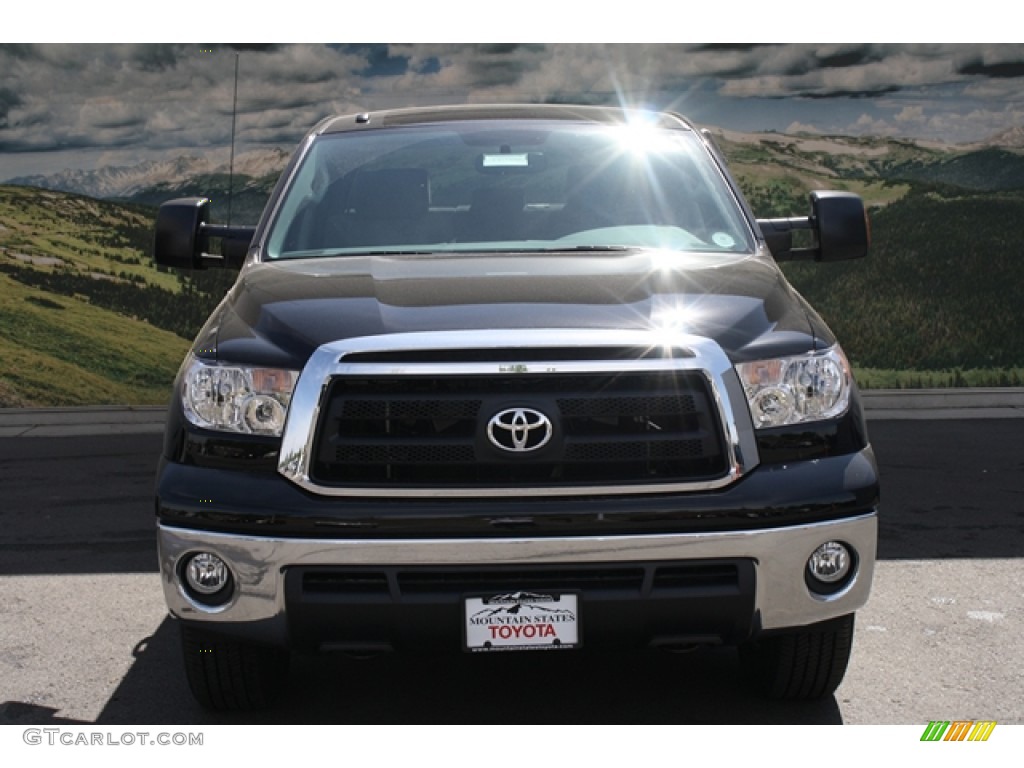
(89, 105)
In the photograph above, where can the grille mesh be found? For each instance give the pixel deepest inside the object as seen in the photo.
(637, 579)
(430, 431)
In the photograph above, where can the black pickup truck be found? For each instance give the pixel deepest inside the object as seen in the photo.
(513, 378)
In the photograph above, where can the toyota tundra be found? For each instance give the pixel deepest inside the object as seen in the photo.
(513, 378)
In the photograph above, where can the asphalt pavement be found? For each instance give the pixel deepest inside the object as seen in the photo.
(85, 638)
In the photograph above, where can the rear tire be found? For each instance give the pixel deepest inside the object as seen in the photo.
(802, 664)
(226, 674)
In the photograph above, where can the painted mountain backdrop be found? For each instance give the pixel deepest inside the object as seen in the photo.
(126, 182)
(88, 317)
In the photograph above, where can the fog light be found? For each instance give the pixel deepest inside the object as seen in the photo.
(830, 563)
(207, 574)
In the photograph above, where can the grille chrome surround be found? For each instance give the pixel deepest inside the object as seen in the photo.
(536, 353)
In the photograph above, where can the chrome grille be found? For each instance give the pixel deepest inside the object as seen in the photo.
(429, 430)
(403, 415)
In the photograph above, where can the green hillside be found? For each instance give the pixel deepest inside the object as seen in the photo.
(989, 169)
(776, 170)
(85, 316)
(55, 231)
(939, 291)
(776, 173)
(57, 350)
(936, 301)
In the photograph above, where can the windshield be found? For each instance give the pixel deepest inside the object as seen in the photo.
(522, 186)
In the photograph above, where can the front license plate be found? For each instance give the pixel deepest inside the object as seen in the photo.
(522, 621)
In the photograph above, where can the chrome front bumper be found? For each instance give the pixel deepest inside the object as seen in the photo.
(257, 607)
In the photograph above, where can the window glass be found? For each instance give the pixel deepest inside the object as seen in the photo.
(488, 185)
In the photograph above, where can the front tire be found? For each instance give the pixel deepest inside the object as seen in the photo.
(226, 674)
(801, 664)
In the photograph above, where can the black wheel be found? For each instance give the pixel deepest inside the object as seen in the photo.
(226, 674)
(801, 664)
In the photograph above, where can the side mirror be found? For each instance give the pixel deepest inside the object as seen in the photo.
(184, 237)
(842, 226)
(839, 225)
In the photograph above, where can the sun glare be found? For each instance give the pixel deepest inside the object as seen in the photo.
(640, 137)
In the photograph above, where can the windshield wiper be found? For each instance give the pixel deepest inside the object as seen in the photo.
(464, 251)
(587, 249)
(395, 252)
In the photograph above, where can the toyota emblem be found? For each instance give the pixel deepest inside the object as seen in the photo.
(519, 430)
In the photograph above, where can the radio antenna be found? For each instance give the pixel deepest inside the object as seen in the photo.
(231, 161)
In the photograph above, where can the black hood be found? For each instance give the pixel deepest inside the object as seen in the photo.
(279, 312)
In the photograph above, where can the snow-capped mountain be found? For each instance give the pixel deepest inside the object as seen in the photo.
(1011, 138)
(127, 181)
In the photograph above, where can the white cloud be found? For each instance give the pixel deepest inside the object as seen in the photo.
(157, 97)
(913, 115)
(867, 124)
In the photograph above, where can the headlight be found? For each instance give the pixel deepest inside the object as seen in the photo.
(234, 398)
(791, 390)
